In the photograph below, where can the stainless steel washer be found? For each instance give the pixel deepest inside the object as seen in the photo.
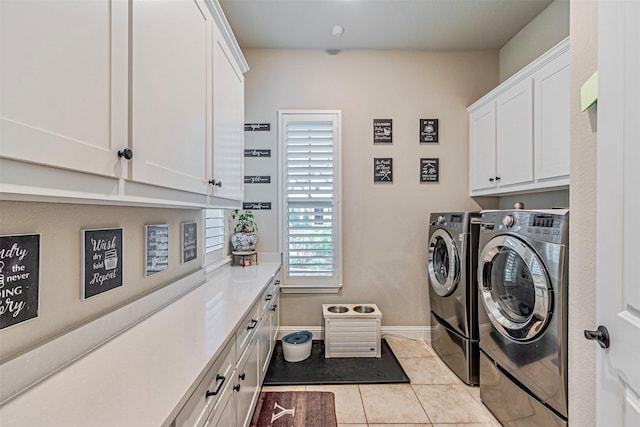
(522, 282)
(452, 256)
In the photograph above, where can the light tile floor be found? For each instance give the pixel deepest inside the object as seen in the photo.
(435, 397)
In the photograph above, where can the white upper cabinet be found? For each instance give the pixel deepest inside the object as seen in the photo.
(514, 135)
(519, 132)
(482, 131)
(551, 131)
(228, 122)
(63, 76)
(85, 81)
(170, 93)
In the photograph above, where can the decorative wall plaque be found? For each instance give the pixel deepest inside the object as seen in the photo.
(156, 248)
(257, 179)
(253, 127)
(382, 131)
(189, 241)
(430, 170)
(256, 206)
(19, 278)
(428, 131)
(383, 169)
(257, 153)
(101, 262)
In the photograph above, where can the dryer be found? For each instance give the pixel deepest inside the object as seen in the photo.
(522, 286)
(452, 257)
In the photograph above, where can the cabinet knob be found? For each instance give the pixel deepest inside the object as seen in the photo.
(497, 178)
(491, 179)
(242, 376)
(215, 183)
(275, 306)
(236, 387)
(126, 153)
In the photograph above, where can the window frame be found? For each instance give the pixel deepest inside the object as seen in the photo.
(313, 285)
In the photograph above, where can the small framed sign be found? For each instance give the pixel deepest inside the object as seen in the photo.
(256, 152)
(382, 131)
(253, 127)
(257, 179)
(19, 278)
(156, 248)
(383, 169)
(428, 131)
(101, 263)
(257, 206)
(430, 170)
(189, 241)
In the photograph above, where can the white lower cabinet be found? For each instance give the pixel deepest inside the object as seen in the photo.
(227, 395)
(519, 132)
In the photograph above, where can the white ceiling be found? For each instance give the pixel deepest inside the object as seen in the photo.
(379, 24)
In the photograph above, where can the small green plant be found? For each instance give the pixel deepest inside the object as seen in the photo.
(243, 221)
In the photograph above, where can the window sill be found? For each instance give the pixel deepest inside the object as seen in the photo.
(310, 289)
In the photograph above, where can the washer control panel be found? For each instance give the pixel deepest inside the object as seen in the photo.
(545, 225)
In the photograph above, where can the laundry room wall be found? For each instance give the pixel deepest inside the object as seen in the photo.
(541, 34)
(61, 308)
(384, 226)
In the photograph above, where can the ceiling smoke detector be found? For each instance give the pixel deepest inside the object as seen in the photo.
(337, 30)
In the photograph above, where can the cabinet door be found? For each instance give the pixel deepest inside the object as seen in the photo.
(551, 135)
(63, 76)
(170, 93)
(228, 123)
(247, 385)
(482, 148)
(514, 135)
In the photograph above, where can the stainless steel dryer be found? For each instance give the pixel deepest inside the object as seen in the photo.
(522, 281)
(453, 246)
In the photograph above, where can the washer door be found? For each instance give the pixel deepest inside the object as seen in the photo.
(514, 288)
(444, 263)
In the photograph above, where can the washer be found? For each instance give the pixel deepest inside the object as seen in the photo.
(452, 257)
(522, 285)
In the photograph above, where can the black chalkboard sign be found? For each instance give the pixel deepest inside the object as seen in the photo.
(101, 261)
(19, 278)
(256, 205)
(257, 152)
(428, 131)
(257, 179)
(156, 248)
(430, 170)
(253, 127)
(189, 241)
(382, 131)
(383, 169)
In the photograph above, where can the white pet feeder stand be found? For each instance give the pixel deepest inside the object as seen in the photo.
(351, 330)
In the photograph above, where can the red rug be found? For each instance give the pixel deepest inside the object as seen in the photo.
(295, 409)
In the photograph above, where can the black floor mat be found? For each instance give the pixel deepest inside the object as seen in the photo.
(349, 370)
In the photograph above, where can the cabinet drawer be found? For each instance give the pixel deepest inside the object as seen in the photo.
(267, 297)
(247, 328)
(208, 393)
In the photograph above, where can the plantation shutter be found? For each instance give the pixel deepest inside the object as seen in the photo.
(311, 198)
(214, 234)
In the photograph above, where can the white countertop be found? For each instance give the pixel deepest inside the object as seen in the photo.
(138, 377)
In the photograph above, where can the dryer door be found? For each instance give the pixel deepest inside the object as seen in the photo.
(444, 263)
(514, 288)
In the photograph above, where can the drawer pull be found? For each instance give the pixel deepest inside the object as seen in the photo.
(254, 322)
(277, 282)
(242, 376)
(274, 307)
(214, 393)
(236, 387)
(268, 297)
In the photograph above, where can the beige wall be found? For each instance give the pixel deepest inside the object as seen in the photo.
(543, 32)
(385, 226)
(61, 308)
(584, 57)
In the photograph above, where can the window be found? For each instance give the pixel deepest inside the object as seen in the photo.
(311, 220)
(214, 235)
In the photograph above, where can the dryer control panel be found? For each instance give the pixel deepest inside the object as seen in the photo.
(546, 225)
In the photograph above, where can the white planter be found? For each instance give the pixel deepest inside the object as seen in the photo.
(244, 241)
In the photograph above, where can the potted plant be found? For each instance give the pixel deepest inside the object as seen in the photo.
(244, 237)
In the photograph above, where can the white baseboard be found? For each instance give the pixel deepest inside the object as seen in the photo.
(408, 332)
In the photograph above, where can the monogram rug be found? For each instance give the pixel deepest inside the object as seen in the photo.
(295, 409)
